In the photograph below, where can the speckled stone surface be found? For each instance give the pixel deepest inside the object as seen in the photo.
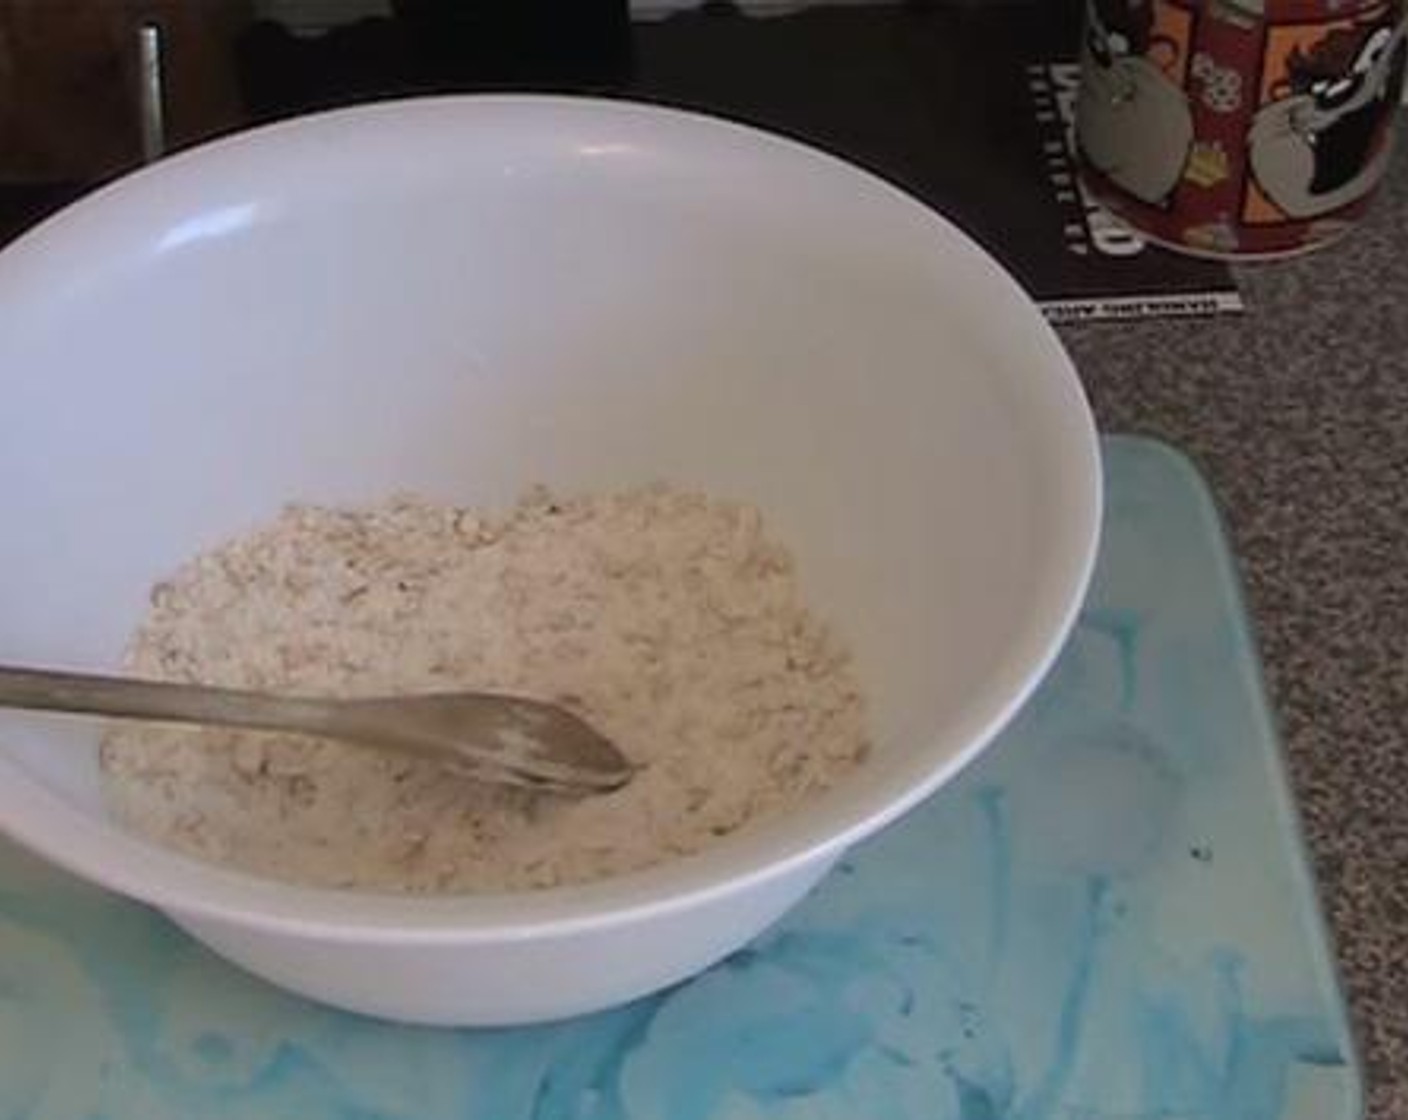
(1297, 413)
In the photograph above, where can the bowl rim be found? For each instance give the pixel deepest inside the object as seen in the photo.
(40, 819)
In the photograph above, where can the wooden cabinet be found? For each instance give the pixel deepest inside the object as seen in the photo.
(69, 75)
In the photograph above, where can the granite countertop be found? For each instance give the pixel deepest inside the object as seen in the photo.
(1297, 413)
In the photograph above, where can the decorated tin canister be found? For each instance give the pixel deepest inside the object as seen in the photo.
(1238, 128)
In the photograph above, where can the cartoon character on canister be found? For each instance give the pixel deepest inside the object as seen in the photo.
(1320, 143)
(1134, 125)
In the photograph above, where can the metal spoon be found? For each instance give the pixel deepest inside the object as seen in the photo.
(510, 740)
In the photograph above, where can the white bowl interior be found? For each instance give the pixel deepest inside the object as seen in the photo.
(464, 297)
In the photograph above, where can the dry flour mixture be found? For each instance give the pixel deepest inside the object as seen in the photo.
(668, 619)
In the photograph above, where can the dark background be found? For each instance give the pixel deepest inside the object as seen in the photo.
(934, 97)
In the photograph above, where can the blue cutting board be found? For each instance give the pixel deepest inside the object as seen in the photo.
(1109, 917)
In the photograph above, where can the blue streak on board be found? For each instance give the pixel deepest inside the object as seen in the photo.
(1042, 1099)
(992, 806)
(1122, 628)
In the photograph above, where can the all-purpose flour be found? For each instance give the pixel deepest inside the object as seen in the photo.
(669, 620)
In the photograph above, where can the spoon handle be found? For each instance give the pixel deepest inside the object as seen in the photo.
(508, 740)
(54, 691)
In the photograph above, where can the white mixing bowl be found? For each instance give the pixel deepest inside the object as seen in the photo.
(464, 296)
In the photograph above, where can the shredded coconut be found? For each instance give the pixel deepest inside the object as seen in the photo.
(667, 619)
